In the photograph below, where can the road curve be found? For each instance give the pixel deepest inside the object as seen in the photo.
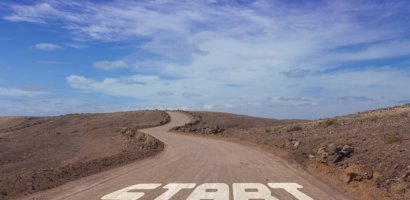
(196, 160)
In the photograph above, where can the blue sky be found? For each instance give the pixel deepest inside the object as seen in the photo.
(280, 59)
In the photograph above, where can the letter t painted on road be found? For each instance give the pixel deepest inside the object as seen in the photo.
(292, 188)
(174, 188)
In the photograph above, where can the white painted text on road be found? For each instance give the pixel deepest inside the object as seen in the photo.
(210, 191)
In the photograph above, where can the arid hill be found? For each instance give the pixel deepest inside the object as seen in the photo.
(366, 153)
(38, 153)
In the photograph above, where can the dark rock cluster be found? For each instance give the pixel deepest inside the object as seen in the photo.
(334, 153)
(202, 130)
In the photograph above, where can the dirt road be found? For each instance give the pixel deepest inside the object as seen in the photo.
(209, 169)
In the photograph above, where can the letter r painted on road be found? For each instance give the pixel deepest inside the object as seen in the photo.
(247, 191)
(128, 193)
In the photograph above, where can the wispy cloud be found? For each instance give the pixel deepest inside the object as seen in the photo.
(76, 45)
(354, 99)
(47, 46)
(110, 65)
(28, 13)
(40, 12)
(139, 86)
(5, 91)
(297, 73)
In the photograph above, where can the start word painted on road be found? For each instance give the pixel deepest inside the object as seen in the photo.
(210, 191)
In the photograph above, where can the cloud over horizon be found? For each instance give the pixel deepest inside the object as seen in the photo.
(6, 91)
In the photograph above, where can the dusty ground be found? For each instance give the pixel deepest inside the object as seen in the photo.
(367, 153)
(215, 122)
(196, 160)
(38, 153)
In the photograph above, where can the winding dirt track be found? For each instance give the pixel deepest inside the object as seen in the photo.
(189, 159)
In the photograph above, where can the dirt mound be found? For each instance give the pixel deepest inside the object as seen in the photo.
(366, 153)
(217, 122)
(6, 122)
(38, 153)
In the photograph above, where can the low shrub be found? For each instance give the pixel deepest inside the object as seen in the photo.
(390, 139)
(327, 122)
(294, 128)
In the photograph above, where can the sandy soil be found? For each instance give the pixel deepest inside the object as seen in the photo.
(6, 122)
(39, 153)
(364, 153)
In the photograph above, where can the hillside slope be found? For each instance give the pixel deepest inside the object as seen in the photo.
(38, 153)
(366, 153)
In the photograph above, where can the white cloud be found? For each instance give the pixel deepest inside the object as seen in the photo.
(110, 65)
(297, 73)
(29, 13)
(76, 45)
(54, 106)
(41, 12)
(295, 101)
(47, 46)
(5, 91)
(312, 95)
(208, 107)
(135, 86)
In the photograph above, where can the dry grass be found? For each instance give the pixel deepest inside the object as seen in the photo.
(390, 139)
(294, 128)
(327, 122)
